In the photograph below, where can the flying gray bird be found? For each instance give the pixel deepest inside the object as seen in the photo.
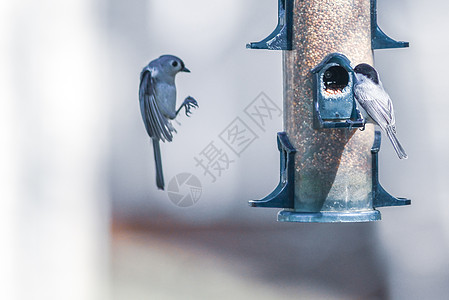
(376, 105)
(157, 96)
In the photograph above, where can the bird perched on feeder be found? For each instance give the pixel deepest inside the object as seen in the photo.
(157, 96)
(376, 105)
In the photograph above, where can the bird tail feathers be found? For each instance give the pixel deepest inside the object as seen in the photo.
(394, 140)
(158, 163)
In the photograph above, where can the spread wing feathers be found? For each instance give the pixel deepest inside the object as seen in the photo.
(379, 108)
(156, 124)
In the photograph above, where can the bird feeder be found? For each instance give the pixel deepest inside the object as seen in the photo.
(328, 155)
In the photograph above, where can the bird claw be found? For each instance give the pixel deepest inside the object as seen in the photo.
(190, 103)
(363, 128)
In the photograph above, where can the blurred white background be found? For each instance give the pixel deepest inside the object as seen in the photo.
(80, 215)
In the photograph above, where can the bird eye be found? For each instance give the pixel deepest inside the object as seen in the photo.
(174, 63)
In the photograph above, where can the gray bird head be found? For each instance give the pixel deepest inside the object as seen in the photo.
(169, 65)
(368, 71)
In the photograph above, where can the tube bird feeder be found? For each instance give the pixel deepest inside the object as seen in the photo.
(328, 155)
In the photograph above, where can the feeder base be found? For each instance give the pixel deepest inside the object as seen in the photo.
(329, 217)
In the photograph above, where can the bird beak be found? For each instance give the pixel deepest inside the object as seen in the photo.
(185, 70)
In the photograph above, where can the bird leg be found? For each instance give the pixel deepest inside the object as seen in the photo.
(364, 125)
(188, 103)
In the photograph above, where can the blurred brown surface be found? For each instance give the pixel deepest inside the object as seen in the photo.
(301, 261)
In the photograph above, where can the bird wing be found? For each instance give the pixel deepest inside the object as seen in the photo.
(378, 105)
(156, 124)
